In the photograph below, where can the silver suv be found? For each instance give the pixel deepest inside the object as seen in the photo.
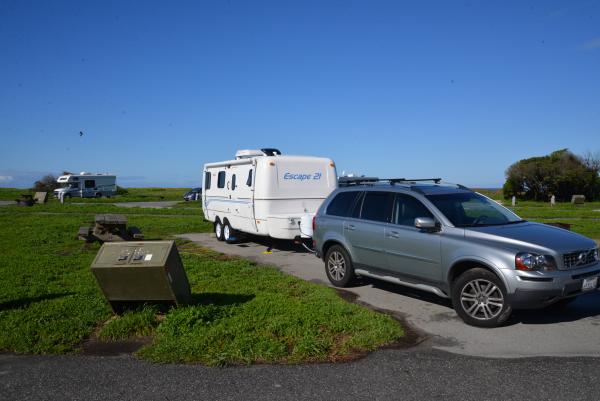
(453, 242)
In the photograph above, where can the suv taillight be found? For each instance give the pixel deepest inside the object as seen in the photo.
(314, 223)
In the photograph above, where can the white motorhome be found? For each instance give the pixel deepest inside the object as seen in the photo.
(86, 185)
(264, 193)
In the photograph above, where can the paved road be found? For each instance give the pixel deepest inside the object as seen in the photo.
(390, 374)
(571, 332)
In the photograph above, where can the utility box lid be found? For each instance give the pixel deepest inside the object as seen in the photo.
(150, 253)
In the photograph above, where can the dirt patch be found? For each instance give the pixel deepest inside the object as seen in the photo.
(96, 347)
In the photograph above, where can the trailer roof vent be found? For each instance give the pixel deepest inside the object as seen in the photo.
(271, 151)
(247, 153)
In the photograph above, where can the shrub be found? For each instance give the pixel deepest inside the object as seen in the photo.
(560, 173)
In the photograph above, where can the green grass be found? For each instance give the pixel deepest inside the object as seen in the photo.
(243, 313)
(584, 219)
(138, 323)
(134, 195)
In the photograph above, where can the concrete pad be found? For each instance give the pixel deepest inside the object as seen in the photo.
(6, 203)
(574, 331)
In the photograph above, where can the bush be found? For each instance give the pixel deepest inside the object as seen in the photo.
(46, 184)
(560, 173)
(121, 191)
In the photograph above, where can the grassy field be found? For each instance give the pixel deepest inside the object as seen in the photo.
(584, 219)
(134, 195)
(243, 313)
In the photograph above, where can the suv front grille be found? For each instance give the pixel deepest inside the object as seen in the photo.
(578, 259)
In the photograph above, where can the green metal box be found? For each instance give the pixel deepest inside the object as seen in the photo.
(135, 272)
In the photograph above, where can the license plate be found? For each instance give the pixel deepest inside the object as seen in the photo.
(589, 284)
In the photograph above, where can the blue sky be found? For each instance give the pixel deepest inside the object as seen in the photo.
(457, 89)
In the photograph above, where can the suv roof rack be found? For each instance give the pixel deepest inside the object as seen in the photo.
(348, 181)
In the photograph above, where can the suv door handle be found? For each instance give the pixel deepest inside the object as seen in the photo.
(350, 227)
(394, 234)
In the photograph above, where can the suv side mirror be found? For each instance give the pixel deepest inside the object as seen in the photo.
(426, 223)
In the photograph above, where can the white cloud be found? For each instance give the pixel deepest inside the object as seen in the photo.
(592, 44)
(6, 178)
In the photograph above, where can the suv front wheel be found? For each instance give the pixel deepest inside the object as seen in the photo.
(479, 298)
(338, 266)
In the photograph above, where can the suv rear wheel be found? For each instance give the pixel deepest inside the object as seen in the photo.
(479, 298)
(338, 266)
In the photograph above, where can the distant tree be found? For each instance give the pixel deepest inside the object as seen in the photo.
(46, 184)
(560, 173)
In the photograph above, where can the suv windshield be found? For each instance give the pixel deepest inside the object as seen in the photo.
(472, 209)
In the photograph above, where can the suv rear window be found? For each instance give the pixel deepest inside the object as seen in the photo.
(377, 206)
(342, 203)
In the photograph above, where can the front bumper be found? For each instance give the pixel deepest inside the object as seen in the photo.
(537, 290)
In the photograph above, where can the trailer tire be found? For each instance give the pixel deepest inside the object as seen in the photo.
(229, 234)
(98, 195)
(219, 230)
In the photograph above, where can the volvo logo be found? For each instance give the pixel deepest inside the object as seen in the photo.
(581, 258)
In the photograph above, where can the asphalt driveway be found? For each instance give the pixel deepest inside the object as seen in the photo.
(573, 331)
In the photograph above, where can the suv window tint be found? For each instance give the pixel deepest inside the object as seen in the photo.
(355, 212)
(207, 180)
(407, 209)
(377, 206)
(233, 182)
(342, 204)
(90, 183)
(221, 179)
(249, 179)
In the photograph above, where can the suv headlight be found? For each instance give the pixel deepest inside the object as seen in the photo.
(527, 261)
(596, 255)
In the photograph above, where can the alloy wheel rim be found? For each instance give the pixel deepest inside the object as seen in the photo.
(218, 229)
(336, 265)
(226, 232)
(481, 299)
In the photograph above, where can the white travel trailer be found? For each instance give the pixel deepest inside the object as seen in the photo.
(86, 185)
(264, 193)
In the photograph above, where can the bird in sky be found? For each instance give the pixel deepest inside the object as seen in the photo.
(80, 134)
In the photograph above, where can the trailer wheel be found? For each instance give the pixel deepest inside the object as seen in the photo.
(229, 234)
(98, 195)
(219, 230)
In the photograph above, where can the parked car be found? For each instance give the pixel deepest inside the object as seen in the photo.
(455, 243)
(193, 194)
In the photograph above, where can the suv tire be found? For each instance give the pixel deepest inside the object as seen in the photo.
(338, 266)
(479, 298)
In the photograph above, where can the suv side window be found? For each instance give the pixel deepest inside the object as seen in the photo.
(407, 209)
(342, 204)
(377, 206)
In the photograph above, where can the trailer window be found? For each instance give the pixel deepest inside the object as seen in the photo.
(221, 179)
(233, 182)
(249, 180)
(207, 180)
(90, 183)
